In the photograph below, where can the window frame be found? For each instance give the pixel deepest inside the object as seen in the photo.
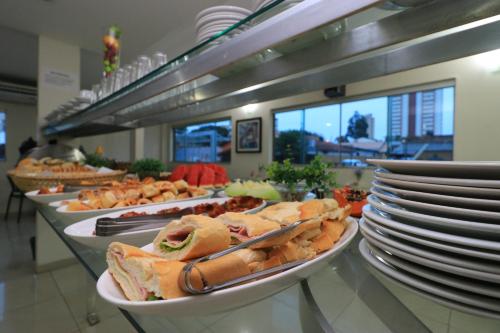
(208, 121)
(446, 83)
(4, 158)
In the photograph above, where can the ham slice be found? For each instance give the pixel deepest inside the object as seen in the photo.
(178, 236)
(239, 232)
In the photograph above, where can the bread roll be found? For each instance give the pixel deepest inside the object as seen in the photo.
(191, 237)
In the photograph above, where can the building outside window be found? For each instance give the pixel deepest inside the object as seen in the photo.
(203, 142)
(412, 125)
(3, 136)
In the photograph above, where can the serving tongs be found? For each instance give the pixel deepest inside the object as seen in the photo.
(109, 226)
(185, 277)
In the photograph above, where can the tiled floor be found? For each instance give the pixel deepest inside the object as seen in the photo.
(56, 302)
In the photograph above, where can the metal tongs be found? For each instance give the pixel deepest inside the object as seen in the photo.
(108, 226)
(185, 277)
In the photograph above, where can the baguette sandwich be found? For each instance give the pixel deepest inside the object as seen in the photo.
(192, 236)
(144, 276)
(244, 227)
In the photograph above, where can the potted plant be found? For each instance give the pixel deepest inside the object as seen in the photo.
(147, 167)
(318, 178)
(288, 180)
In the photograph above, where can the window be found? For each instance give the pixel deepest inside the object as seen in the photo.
(3, 136)
(206, 142)
(414, 125)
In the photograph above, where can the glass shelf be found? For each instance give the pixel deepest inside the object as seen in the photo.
(280, 53)
(345, 296)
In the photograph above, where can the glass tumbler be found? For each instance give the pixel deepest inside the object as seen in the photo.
(118, 79)
(96, 89)
(159, 59)
(143, 66)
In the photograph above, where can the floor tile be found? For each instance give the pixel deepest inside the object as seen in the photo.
(180, 324)
(77, 302)
(331, 293)
(358, 318)
(117, 323)
(52, 316)
(265, 316)
(466, 323)
(420, 306)
(70, 278)
(27, 290)
(435, 326)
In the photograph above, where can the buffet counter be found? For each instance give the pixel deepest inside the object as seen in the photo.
(346, 296)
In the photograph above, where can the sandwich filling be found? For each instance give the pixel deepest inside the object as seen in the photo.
(120, 261)
(177, 240)
(238, 234)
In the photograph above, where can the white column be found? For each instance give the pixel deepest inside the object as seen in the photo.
(58, 82)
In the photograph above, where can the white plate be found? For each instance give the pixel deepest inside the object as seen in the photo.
(83, 232)
(459, 227)
(219, 25)
(440, 199)
(462, 250)
(454, 169)
(227, 299)
(48, 198)
(381, 218)
(447, 296)
(476, 192)
(432, 259)
(218, 9)
(467, 182)
(450, 280)
(438, 210)
(218, 18)
(85, 214)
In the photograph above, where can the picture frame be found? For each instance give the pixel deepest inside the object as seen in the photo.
(249, 135)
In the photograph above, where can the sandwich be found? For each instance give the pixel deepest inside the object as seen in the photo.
(141, 275)
(284, 212)
(244, 227)
(144, 276)
(192, 236)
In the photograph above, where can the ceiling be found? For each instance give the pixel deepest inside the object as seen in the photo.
(84, 22)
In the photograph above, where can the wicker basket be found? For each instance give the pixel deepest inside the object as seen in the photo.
(30, 181)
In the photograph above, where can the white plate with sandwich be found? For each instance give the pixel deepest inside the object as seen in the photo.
(75, 216)
(46, 199)
(141, 274)
(84, 231)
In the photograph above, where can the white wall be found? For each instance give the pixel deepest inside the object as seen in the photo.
(116, 145)
(20, 125)
(63, 58)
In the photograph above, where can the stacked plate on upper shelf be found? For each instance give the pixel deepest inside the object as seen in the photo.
(215, 19)
(434, 227)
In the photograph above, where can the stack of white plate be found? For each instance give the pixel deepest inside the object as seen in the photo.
(434, 227)
(215, 19)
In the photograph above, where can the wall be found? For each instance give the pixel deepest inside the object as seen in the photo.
(116, 145)
(21, 124)
(475, 113)
(63, 58)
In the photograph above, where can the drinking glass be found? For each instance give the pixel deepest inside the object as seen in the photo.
(118, 79)
(96, 89)
(159, 59)
(143, 66)
(127, 75)
(134, 71)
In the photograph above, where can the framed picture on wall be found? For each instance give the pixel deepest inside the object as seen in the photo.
(249, 135)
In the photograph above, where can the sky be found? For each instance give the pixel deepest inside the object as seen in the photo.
(330, 120)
